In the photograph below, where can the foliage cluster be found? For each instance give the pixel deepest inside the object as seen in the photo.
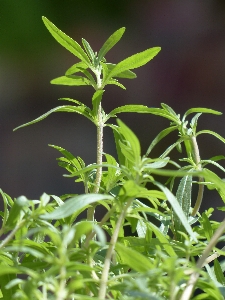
(48, 252)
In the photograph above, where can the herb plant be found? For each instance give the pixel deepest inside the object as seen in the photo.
(48, 252)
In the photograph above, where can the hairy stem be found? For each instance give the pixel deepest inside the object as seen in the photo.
(201, 262)
(91, 210)
(112, 243)
(196, 156)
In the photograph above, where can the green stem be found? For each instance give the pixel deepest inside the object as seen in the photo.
(201, 262)
(91, 210)
(197, 159)
(105, 272)
(12, 233)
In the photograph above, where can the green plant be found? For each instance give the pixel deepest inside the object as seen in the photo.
(46, 253)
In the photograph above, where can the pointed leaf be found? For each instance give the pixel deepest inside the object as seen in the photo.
(96, 99)
(212, 133)
(201, 110)
(76, 68)
(66, 41)
(178, 210)
(65, 108)
(110, 42)
(184, 199)
(71, 80)
(159, 137)
(74, 204)
(135, 260)
(89, 50)
(125, 74)
(131, 138)
(134, 61)
(219, 272)
(116, 82)
(162, 238)
(128, 108)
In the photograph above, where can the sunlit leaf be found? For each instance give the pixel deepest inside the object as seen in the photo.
(134, 61)
(64, 108)
(71, 80)
(110, 42)
(66, 41)
(73, 204)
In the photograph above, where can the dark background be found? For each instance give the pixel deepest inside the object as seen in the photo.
(188, 72)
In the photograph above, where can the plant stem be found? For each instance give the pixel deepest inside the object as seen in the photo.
(112, 243)
(91, 210)
(201, 262)
(196, 157)
(11, 235)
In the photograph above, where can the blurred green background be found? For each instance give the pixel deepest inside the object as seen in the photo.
(189, 71)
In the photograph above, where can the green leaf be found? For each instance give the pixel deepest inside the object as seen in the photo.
(178, 210)
(89, 50)
(208, 231)
(73, 204)
(71, 80)
(212, 133)
(76, 68)
(135, 260)
(15, 212)
(163, 240)
(128, 108)
(218, 272)
(110, 42)
(132, 140)
(132, 62)
(201, 110)
(184, 199)
(116, 82)
(96, 99)
(83, 110)
(125, 74)
(66, 41)
(159, 137)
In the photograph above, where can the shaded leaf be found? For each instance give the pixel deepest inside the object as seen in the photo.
(177, 209)
(135, 260)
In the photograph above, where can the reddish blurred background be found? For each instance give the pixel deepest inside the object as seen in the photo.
(188, 72)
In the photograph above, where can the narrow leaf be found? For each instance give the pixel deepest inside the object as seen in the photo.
(74, 204)
(110, 42)
(88, 49)
(125, 74)
(66, 41)
(96, 99)
(71, 80)
(135, 260)
(134, 61)
(184, 199)
(159, 137)
(212, 133)
(218, 272)
(163, 240)
(178, 210)
(76, 68)
(64, 108)
(128, 108)
(201, 110)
